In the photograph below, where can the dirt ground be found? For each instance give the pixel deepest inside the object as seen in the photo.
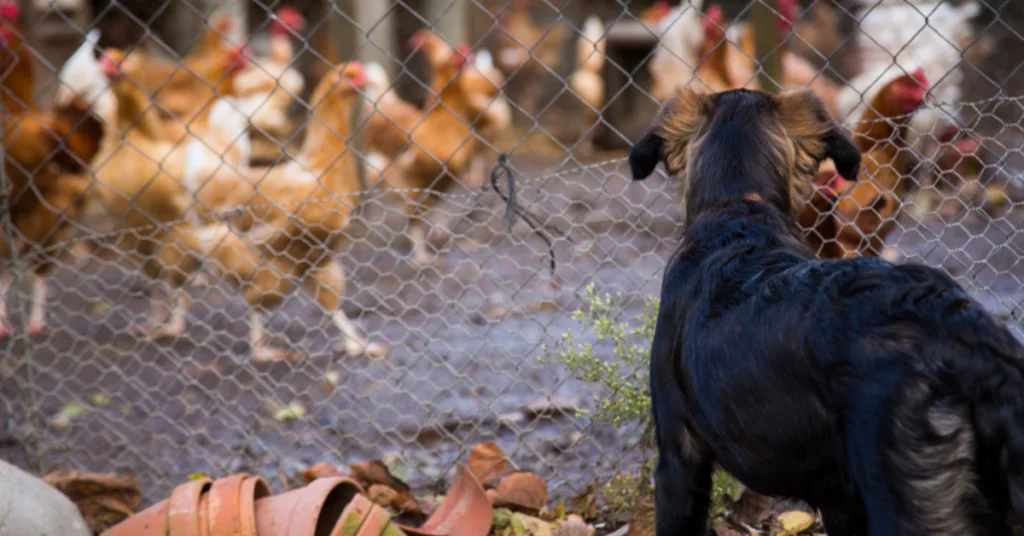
(465, 341)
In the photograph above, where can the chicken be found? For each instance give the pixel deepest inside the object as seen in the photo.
(295, 218)
(867, 211)
(441, 149)
(681, 38)
(528, 52)
(391, 118)
(818, 220)
(723, 65)
(796, 72)
(586, 81)
(144, 190)
(654, 13)
(524, 40)
(44, 154)
(268, 85)
(896, 35)
(18, 61)
(81, 77)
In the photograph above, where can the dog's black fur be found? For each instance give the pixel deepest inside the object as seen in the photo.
(881, 394)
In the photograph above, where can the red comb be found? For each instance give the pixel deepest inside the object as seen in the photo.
(919, 75)
(715, 13)
(289, 17)
(9, 11)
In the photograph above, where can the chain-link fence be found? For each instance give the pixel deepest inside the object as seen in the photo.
(227, 246)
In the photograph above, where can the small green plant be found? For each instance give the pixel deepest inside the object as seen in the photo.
(626, 400)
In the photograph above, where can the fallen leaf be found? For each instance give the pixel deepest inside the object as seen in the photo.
(573, 526)
(320, 470)
(585, 504)
(795, 521)
(553, 406)
(98, 399)
(197, 476)
(292, 411)
(486, 461)
(557, 513)
(524, 525)
(641, 522)
(103, 499)
(520, 491)
(68, 413)
(375, 473)
(99, 308)
(751, 509)
(502, 518)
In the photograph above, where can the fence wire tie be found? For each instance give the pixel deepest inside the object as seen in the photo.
(512, 208)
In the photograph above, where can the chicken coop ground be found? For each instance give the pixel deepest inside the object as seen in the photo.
(465, 340)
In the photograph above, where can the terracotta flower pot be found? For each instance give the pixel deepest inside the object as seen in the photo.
(465, 510)
(224, 505)
(150, 522)
(253, 489)
(204, 515)
(312, 510)
(183, 507)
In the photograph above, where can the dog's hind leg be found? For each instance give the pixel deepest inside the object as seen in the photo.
(912, 458)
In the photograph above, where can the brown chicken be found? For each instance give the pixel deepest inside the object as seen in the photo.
(296, 215)
(868, 210)
(44, 154)
(723, 65)
(442, 146)
(818, 219)
(141, 192)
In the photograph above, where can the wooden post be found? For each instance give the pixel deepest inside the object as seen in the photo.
(450, 18)
(377, 39)
(766, 41)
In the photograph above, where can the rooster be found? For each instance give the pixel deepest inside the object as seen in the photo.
(45, 153)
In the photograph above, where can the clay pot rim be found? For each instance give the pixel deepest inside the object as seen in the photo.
(464, 487)
(306, 505)
(360, 506)
(257, 488)
(224, 504)
(183, 507)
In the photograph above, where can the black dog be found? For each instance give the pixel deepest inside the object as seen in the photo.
(882, 395)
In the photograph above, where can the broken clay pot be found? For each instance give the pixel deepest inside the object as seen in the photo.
(465, 510)
(314, 509)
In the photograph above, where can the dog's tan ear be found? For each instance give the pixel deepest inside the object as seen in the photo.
(665, 140)
(809, 122)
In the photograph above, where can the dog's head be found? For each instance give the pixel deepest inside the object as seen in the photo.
(736, 143)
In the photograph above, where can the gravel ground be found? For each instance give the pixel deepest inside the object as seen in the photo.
(465, 339)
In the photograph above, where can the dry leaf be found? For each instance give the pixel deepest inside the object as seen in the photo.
(68, 413)
(375, 473)
(641, 522)
(751, 509)
(524, 525)
(486, 461)
(573, 526)
(103, 499)
(320, 470)
(585, 504)
(795, 521)
(520, 491)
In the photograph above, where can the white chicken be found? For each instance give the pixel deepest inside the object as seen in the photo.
(586, 81)
(898, 36)
(82, 76)
(680, 38)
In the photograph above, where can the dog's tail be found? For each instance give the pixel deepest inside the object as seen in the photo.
(991, 377)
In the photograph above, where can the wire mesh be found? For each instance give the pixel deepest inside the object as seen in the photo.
(224, 246)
